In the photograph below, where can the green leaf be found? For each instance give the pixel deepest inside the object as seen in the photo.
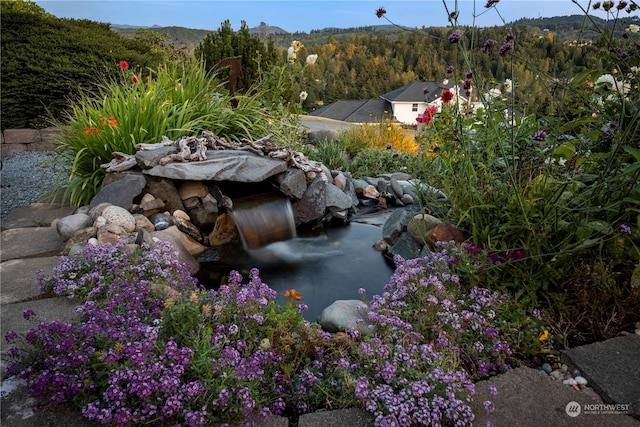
(600, 227)
(587, 244)
(635, 152)
(635, 277)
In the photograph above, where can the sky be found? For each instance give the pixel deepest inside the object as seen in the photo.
(304, 15)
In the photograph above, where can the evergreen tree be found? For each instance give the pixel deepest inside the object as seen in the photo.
(252, 54)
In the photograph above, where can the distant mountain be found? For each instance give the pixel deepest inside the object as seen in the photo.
(566, 28)
(265, 28)
(189, 37)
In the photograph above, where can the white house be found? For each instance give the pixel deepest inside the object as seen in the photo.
(404, 104)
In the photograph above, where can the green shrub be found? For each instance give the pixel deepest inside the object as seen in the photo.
(46, 61)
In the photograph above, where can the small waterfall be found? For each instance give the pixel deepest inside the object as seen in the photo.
(263, 219)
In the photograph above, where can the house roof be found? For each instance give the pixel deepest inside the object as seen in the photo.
(356, 111)
(415, 92)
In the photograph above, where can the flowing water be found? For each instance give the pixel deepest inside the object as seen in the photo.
(322, 266)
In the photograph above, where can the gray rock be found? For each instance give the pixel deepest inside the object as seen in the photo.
(350, 190)
(161, 221)
(144, 237)
(222, 165)
(407, 199)
(100, 221)
(146, 159)
(203, 219)
(210, 203)
(336, 199)
(69, 225)
(20, 277)
(397, 223)
(165, 190)
(581, 380)
(119, 216)
(121, 192)
(618, 383)
(312, 205)
(419, 226)
(96, 211)
(359, 184)
(29, 242)
(556, 375)
(352, 417)
(396, 188)
(400, 176)
(406, 247)
(76, 249)
(292, 183)
(342, 315)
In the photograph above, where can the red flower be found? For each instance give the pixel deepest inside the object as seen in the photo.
(124, 65)
(428, 114)
(89, 131)
(446, 96)
(112, 121)
(134, 79)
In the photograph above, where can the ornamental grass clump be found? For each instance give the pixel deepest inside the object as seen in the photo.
(176, 100)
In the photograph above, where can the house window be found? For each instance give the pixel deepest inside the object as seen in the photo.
(414, 107)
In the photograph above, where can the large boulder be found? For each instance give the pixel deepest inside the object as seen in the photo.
(312, 205)
(69, 225)
(120, 190)
(165, 190)
(343, 315)
(223, 165)
(120, 216)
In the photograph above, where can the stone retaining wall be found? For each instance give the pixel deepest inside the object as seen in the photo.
(14, 141)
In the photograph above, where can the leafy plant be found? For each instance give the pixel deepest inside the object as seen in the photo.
(560, 187)
(176, 100)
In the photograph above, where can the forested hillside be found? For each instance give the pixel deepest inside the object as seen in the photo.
(366, 62)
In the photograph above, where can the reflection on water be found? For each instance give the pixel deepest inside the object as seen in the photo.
(322, 267)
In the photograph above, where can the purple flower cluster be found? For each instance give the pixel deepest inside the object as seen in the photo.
(151, 346)
(112, 359)
(431, 341)
(454, 37)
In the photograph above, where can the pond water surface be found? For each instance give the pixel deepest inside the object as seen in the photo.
(322, 266)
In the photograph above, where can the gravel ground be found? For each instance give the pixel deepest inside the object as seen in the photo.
(26, 177)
